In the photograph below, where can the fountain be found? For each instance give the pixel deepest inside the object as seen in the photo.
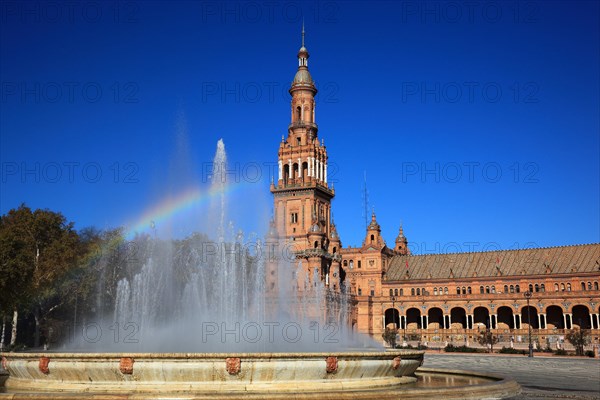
(209, 326)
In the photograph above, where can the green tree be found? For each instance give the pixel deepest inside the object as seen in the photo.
(579, 338)
(487, 338)
(389, 336)
(37, 249)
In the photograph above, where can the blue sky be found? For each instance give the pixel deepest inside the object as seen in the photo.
(477, 123)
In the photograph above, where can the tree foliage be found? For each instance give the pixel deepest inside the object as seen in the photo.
(389, 336)
(37, 248)
(487, 338)
(579, 338)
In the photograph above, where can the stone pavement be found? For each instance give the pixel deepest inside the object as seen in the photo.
(540, 377)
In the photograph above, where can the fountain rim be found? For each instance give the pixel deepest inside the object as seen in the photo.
(261, 355)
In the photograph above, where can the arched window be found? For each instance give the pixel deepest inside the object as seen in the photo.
(568, 287)
(395, 292)
(512, 289)
(517, 289)
(595, 285)
(441, 291)
(359, 291)
(345, 263)
(589, 285)
(298, 113)
(351, 264)
(401, 292)
(334, 250)
(537, 287)
(562, 287)
(542, 287)
(372, 238)
(464, 290)
(423, 292)
(418, 292)
(469, 289)
(435, 291)
(505, 288)
(493, 289)
(457, 290)
(530, 287)
(582, 285)
(487, 289)
(481, 289)
(445, 290)
(316, 244)
(556, 287)
(359, 264)
(391, 292)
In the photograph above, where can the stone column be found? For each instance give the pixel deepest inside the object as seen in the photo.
(515, 321)
(319, 175)
(570, 319)
(449, 321)
(544, 322)
(539, 321)
(291, 169)
(495, 321)
(325, 174)
(472, 318)
(592, 320)
(280, 165)
(321, 164)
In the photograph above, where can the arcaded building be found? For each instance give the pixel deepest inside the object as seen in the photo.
(433, 297)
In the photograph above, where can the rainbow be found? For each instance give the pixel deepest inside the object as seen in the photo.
(176, 205)
(171, 207)
(168, 208)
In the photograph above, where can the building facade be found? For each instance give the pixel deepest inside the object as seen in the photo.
(434, 297)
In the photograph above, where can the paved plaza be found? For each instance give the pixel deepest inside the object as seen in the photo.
(540, 377)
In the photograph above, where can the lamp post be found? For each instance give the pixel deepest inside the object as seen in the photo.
(528, 295)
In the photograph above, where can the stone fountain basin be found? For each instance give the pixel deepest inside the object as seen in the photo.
(206, 373)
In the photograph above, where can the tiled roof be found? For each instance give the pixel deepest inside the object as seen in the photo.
(539, 261)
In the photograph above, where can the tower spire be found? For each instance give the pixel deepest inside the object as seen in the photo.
(302, 32)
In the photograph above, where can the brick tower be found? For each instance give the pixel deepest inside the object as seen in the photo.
(302, 197)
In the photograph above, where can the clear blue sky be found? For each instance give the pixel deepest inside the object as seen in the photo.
(477, 123)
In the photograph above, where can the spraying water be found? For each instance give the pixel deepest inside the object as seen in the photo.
(210, 294)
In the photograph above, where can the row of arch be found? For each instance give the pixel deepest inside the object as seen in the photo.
(503, 317)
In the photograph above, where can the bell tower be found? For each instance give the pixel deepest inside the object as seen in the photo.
(302, 196)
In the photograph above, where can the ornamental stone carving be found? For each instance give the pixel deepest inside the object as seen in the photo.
(126, 365)
(233, 365)
(396, 363)
(331, 365)
(44, 361)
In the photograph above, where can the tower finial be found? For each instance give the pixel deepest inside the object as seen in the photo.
(302, 32)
